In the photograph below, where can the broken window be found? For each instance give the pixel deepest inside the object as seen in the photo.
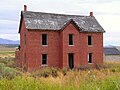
(44, 39)
(44, 59)
(70, 39)
(90, 58)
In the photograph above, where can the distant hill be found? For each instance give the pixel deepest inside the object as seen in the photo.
(6, 41)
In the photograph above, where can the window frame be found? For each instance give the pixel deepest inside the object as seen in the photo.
(46, 42)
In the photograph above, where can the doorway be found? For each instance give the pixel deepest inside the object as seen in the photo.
(71, 60)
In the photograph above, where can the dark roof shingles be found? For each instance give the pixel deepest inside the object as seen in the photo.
(48, 21)
(111, 51)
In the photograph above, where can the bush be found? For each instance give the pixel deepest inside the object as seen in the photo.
(115, 69)
(45, 72)
(64, 71)
(7, 72)
(8, 61)
(100, 66)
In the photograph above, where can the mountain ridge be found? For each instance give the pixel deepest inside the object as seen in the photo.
(7, 41)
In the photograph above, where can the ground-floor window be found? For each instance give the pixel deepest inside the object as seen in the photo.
(90, 58)
(44, 59)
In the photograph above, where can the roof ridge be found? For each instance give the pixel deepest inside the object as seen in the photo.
(52, 21)
(57, 14)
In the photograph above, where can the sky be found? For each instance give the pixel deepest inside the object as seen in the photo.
(107, 13)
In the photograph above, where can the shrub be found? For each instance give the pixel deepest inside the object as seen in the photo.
(64, 71)
(115, 69)
(8, 61)
(46, 72)
(2, 65)
(9, 73)
(54, 72)
(100, 66)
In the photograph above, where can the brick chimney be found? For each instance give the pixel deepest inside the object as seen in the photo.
(91, 14)
(25, 7)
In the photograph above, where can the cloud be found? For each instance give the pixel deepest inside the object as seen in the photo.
(8, 26)
(10, 36)
(112, 41)
(107, 13)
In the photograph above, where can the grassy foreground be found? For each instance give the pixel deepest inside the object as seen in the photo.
(106, 77)
(85, 80)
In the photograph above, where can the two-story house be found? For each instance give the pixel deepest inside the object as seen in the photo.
(58, 40)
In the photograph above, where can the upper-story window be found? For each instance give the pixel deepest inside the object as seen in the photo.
(71, 42)
(44, 39)
(89, 40)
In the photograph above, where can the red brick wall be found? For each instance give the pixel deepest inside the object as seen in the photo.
(22, 44)
(81, 48)
(17, 58)
(70, 29)
(58, 48)
(96, 48)
(34, 49)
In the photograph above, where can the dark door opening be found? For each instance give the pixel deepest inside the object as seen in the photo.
(71, 60)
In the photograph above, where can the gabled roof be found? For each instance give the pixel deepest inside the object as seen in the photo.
(49, 21)
(111, 51)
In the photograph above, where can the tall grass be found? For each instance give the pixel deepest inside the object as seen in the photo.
(72, 81)
(93, 79)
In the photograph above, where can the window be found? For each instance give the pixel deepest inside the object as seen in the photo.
(89, 40)
(44, 39)
(70, 39)
(44, 59)
(90, 58)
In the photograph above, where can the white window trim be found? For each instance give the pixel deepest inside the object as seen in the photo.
(71, 45)
(90, 45)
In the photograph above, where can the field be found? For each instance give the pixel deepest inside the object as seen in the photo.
(104, 77)
(7, 51)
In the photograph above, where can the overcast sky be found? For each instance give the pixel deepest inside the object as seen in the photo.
(107, 12)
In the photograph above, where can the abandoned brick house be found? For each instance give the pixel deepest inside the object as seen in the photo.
(58, 40)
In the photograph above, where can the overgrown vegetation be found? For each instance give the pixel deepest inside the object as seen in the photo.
(104, 77)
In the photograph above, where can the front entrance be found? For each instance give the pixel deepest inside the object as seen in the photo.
(71, 60)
